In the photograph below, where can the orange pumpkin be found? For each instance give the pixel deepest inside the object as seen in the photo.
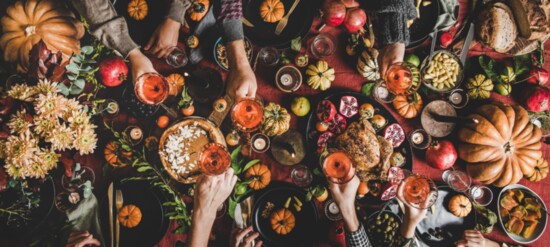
(260, 175)
(129, 216)
(540, 172)
(138, 9)
(27, 22)
(282, 221)
(115, 156)
(198, 10)
(503, 147)
(272, 10)
(460, 206)
(176, 80)
(408, 106)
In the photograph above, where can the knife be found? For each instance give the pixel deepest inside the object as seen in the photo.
(467, 42)
(110, 197)
(247, 22)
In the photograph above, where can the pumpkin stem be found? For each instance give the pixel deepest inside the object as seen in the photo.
(198, 7)
(30, 30)
(508, 148)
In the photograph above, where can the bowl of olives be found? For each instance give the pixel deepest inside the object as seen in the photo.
(383, 228)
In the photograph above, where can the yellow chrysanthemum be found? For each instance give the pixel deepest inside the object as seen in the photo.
(85, 141)
(45, 86)
(62, 138)
(18, 122)
(22, 92)
(43, 125)
(49, 158)
(50, 104)
(77, 119)
(20, 149)
(72, 105)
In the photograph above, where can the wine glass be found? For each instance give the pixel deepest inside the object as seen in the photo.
(153, 89)
(419, 191)
(176, 57)
(462, 182)
(109, 108)
(214, 159)
(323, 45)
(338, 167)
(247, 114)
(402, 78)
(381, 92)
(301, 176)
(268, 56)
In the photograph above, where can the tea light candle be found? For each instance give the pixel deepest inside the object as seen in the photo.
(382, 92)
(333, 208)
(456, 98)
(136, 134)
(286, 79)
(477, 193)
(259, 144)
(112, 107)
(417, 138)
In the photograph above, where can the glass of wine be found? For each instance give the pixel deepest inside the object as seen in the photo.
(268, 56)
(419, 191)
(247, 114)
(457, 180)
(481, 195)
(338, 167)
(151, 88)
(176, 57)
(214, 159)
(402, 78)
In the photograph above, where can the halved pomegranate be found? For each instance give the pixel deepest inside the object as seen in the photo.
(389, 192)
(325, 111)
(338, 124)
(394, 134)
(395, 175)
(348, 106)
(324, 139)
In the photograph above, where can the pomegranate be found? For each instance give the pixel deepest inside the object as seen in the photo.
(113, 71)
(445, 39)
(350, 3)
(334, 12)
(338, 124)
(355, 20)
(395, 175)
(337, 234)
(538, 76)
(535, 98)
(325, 111)
(348, 106)
(389, 191)
(394, 134)
(441, 154)
(324, 139)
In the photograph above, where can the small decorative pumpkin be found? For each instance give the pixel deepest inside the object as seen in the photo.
(367, 64)
(138, 9)
(129, 216)
(320, 75)
(460, 206)
(261, 176)
(178, 81)
(115, 156)
(198, 9)
(272, 10)
(192, 42)
(282, 221)
(27, 22)
(408, 106)
(276, 120)
(479, 87)
(539, 172)
(503, 147)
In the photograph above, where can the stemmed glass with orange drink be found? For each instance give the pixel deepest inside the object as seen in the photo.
(338, 167)
(402, 78)
(246, 116)
(214, 159)
(154, 89)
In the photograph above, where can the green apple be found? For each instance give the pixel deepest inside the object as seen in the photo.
(300, 106)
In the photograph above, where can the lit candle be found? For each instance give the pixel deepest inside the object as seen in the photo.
(333, 208)
(112, 107)
(382, 92)
(136, 133)
(286, 79)
(417, 138)
(259, 143)
(456, 98)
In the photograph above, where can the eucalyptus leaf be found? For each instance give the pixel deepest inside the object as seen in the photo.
(87, 50)
(77, 59)
(72, 68)
(76, 90)
(63, 89)
(80, 83)
(71, 77)
(144, 168)
(77, 167)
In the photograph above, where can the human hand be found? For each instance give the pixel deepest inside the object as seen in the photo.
(140, 64)
(412, 215)
(164, 37)
(474, 238)
(390, 54)
(212, 191)
(239, 238)
(241, 81)
(344, 196)
(81, 239)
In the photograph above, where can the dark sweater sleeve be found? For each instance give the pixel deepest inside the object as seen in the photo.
(106, 25)
(229, 18)
(390, 20)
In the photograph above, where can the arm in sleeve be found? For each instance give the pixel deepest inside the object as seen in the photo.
(390, 20)
(177, 10)
(106, 25)
(358, 238)
(229, 17)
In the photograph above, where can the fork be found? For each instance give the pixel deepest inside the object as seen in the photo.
(284, 21)
(118, 202)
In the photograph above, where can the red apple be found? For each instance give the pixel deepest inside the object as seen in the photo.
(441, 154)
(538, 76)
(445, 39)
(113, 71)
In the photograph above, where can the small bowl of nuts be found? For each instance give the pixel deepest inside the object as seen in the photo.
(443, 73)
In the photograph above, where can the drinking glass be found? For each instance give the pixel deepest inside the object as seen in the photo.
(457, 180)
(288, 79)
(301, 176)
(85, 174)
(133, 135)
(402, 78)
(419, 191)
(247, 114)
(260, 143)
(480, 195)
(381, 92)
(338, 167)
(268, 56)
(151, 88)
(109, 108)
(214, 159)
(177, 57)
(323, 45)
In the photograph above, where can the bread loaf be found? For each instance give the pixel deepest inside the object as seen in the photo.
(496, 27)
